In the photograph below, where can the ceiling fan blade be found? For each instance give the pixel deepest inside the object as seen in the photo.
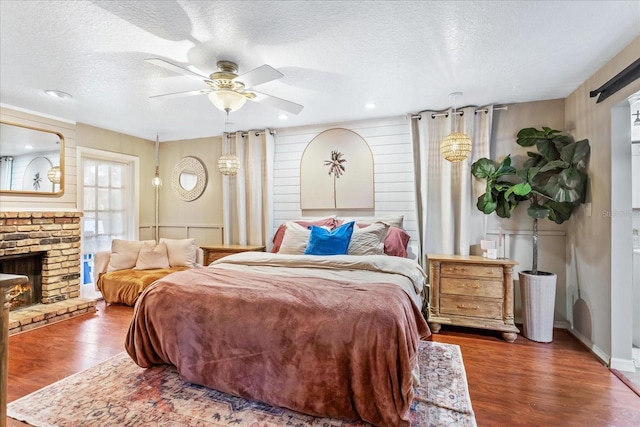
(281, 104)
(263, 74)
(181, 94)
(176, 69)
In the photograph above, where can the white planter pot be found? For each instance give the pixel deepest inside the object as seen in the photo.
(538, 293)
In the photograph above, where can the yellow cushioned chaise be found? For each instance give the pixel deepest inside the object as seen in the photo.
(131, 266)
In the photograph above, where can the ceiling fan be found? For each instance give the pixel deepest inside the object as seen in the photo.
(229, 91)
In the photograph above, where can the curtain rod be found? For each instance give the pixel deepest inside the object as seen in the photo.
(258, 132)
(459, 112)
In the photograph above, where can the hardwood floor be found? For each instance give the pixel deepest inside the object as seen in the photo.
(520, 384)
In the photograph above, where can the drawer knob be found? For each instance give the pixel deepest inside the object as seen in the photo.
(464, 307)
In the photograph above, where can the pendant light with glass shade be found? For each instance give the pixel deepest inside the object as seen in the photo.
(456, 146)
(54, 176)
(156, 181)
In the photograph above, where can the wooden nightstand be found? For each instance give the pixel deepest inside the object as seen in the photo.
(471, 291)
(212, 253)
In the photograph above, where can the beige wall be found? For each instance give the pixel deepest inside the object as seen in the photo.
(592, 235)
(200, 218)
(552, 241)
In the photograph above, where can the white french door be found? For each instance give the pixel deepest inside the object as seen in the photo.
(108, 199)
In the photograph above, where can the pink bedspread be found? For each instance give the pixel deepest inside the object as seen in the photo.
(317, 346)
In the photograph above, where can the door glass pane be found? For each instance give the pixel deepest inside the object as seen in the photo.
(106, 210)
(117, 199)
(89, 173)
(116, 177)
(103, 175)
(89, 199)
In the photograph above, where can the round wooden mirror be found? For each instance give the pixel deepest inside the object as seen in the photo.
(189, 178)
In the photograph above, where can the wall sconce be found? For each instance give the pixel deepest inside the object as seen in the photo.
(229, 164)
(456, 146)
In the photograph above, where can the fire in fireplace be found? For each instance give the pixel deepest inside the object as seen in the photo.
(29, 265)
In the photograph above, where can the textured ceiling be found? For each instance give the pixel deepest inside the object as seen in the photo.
(336, 56)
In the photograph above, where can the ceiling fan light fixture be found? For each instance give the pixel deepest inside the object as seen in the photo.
(227, 100)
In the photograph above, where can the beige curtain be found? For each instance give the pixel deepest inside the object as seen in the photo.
(446, 193)
(247, 196)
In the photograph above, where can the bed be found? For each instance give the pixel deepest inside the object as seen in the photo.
(331, 336)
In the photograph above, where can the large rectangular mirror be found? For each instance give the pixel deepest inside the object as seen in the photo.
(31, 160)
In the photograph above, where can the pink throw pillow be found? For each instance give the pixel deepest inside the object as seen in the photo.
(395, 244)
(277, 238)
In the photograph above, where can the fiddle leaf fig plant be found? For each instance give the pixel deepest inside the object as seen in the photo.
(553, 179)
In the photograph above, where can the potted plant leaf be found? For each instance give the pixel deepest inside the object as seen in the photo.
(553, 181)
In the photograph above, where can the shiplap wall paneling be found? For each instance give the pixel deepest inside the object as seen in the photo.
(390, 144)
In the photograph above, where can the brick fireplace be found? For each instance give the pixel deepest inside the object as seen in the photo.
(56, 235)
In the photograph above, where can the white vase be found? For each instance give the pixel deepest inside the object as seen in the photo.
(538, 293)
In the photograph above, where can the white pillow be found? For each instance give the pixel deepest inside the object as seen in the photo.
(393, 220)
(368, 240)
(295, 239)
(124, 253)
(152, 256)
(182, 252)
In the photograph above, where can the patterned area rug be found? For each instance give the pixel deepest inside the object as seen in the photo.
(117, 392)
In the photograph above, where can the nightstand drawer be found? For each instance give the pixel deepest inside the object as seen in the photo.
(212, 256)
(468, 306)
(471, 287)
(470, 270)
(215, 252)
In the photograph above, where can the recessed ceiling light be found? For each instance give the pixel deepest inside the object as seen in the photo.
(283, 117)
(58, 94)
(29, 147)
(370, 106)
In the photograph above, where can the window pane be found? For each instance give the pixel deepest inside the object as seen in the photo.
(103, 175)
(88, 224)
(90, 173)
(116, 176)
(117, 199)
(104, 199)
(89, 199)
(117, 223)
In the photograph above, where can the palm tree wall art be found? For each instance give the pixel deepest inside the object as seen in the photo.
(336, 169)
(349, 185)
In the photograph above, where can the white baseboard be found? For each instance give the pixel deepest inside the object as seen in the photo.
(561, 324)
(597, 351)
(625, 365)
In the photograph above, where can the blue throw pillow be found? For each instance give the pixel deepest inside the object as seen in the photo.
(325, 242)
